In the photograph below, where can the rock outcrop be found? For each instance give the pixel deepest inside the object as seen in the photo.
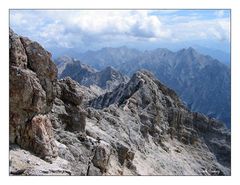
(33, 79)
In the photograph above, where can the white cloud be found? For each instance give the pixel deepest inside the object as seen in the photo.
(70, 28)
(134, 23)
(217, 29)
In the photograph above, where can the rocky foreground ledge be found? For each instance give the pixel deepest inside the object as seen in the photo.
(58, 127)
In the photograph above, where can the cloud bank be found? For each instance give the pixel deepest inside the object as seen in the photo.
(89, 29)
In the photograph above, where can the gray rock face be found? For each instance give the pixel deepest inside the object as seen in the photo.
(106, 79)
(139, 128)
(202, 82)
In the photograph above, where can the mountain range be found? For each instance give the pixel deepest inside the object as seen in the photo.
(202, 82)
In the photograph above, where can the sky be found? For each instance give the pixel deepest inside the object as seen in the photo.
(82, 30)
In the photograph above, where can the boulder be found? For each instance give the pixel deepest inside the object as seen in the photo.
(70, 91)
(101, 157)
(71, 96)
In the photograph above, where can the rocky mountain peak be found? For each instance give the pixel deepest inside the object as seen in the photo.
(142, 86)
(63, 59)
(110, 71)
(191, 49)
(112, 74)
(107, 79)
(188, 50)
(74, 64)
(162, 51)
(189, 53)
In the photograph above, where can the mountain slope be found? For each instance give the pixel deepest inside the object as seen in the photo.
(163, 119)
(202, 82)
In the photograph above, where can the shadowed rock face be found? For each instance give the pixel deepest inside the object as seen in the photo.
(139, 128)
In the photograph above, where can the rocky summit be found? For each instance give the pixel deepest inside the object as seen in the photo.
(140, 127)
